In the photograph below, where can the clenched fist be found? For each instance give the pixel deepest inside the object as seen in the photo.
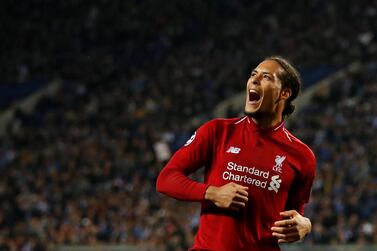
(229, 196)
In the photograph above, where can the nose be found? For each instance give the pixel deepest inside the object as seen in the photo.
(255, 79)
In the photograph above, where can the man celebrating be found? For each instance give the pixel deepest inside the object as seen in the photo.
(258, 176)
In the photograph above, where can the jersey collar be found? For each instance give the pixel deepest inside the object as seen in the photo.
(255, 128)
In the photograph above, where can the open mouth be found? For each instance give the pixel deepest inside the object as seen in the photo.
(254, 96)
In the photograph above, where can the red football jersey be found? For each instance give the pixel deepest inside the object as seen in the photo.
(277, 167)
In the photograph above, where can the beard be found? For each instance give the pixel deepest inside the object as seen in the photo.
(255, 115)
(258, 115)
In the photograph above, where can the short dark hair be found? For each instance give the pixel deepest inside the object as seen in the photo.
(291, 79)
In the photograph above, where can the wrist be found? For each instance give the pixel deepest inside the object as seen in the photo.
(210, 193)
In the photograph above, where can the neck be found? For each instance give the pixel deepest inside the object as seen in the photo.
(266, 122)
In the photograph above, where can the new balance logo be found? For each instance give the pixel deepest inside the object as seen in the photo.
(234, 150)
(275, 183)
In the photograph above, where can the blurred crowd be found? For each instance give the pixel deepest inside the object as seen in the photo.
(137, 79)
(340, 125)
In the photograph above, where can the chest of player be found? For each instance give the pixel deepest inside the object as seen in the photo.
(263, 166)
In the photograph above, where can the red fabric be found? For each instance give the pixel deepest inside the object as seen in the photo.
(277, 167)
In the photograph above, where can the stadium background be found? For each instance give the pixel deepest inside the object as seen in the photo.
(96, 95)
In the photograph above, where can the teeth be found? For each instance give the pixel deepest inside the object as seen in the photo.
(253, 91)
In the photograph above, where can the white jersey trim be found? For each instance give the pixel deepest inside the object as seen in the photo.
(239, 121)
(286, 133)
(277, 128)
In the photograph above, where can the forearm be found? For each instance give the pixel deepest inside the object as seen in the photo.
(176, 184)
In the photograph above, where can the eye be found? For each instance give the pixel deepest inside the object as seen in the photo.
(253, 74)
(266, 76)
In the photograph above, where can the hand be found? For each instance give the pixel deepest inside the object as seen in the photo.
(229, 196)
(297, 227)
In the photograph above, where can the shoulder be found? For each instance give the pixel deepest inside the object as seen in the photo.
(223, 123)
(211, 130)
(300, 147)
(303, 157)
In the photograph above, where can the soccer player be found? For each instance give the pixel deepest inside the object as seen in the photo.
(258, 176)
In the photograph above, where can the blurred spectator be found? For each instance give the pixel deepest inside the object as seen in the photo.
(138, 79)
(338, 124)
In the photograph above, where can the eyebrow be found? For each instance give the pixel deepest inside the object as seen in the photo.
(264, 72)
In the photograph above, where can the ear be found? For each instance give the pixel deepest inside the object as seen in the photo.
(285, 93)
